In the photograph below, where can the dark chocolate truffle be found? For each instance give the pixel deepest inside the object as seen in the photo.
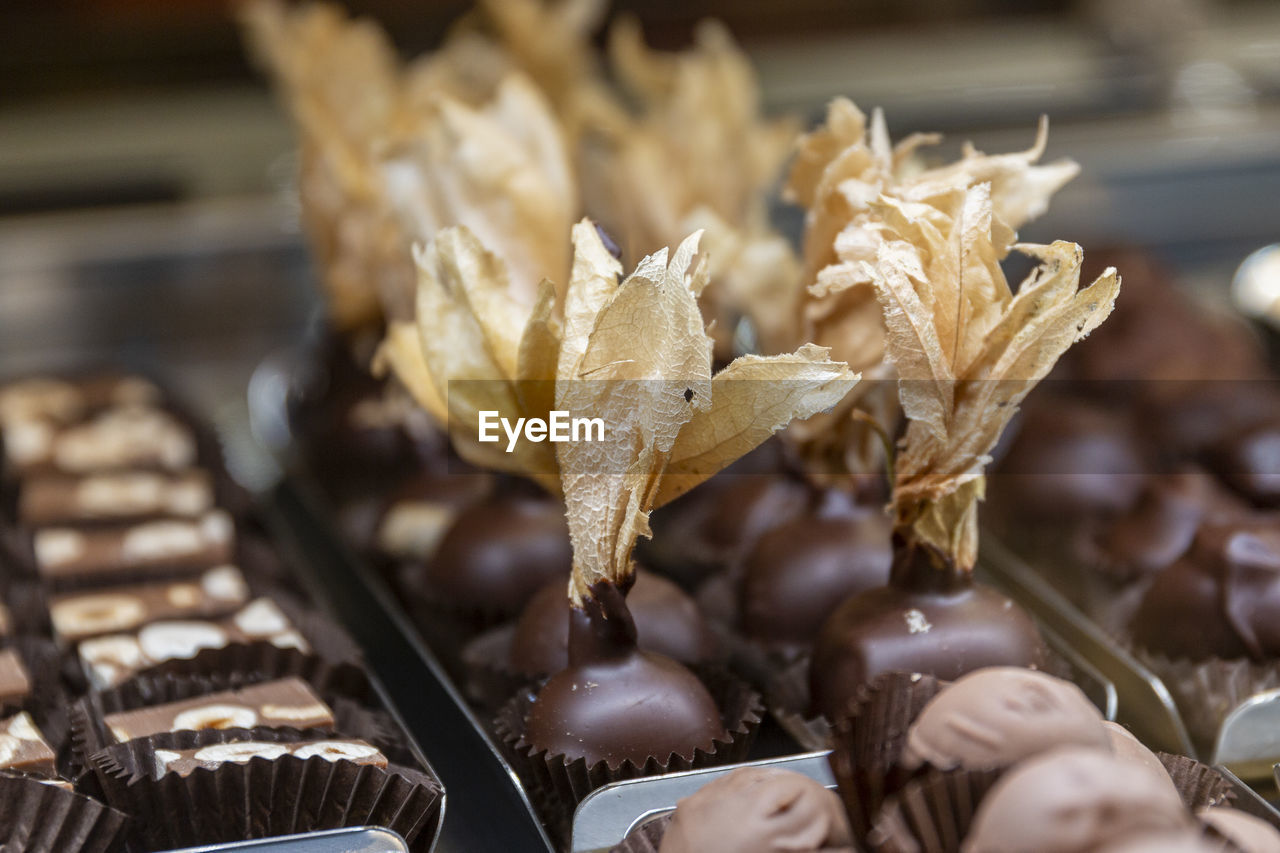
(998, 716)
(930, 619)
(799, 572)
(1249, 462)
(667, 621)
(499, 552)
(1221, 599)
(759, 810)
(1073, 800)
(615, 703)
(1249, 833)
(422, 509)
(1069, 460)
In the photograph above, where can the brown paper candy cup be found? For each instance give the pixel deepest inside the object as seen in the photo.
(786, 692)
(932, 813)
(867, 743)
(261, 797)
(556, 784)
(1199, 785)
(40, 818)
(489, 680)
(1207, 691)
(645, 838)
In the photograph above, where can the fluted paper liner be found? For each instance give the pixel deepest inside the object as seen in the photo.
(556, 785)
(867, 743)
(89, 734)
(645, 838)
(1199, 785)
(40, 818)
(261, 797)
(489, 680)
(1209, 690)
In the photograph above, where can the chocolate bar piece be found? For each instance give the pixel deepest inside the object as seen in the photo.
(184, 761)
(15, 684)
(167, 547)
(114, 658)
(288, 702)
(22, 747)
(65, 401)
(78, 616)
(119, 438)
(117, 496)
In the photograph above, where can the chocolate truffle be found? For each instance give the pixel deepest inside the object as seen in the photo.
(1249, 833)
(499, 552)
(1070, 459)
(931, 618)
(999, 716)
(1128, 748)
(1073, 800)
(422, 509)
(1226, 587)
(759, 810)
(1184, 841)
(667, 621)
(615, 703)
(1249, 462)
(800, 571)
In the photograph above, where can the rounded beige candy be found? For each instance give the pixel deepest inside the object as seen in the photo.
(215, 717)
(1187, 841)
(335, 750)
(998, 716)
(759, 810)
(241, 753)
(1128, 748)
(1074, 800)
(1251, 834)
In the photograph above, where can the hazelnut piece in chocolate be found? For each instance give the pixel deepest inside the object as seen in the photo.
(799, 572)
(1221, 599)
(667, 622)
(1073, 800)
(499, 552)
(759, 810)
(615, 703)
(998, 716)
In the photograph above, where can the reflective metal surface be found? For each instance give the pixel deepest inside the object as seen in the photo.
(354, 840)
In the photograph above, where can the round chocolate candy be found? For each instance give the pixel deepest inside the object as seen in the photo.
(931, 618)
(667, 621)
(1074, 800)
(500, 551)
(998, 716)
(1249, 462)
(615, 703)
(1128, 748)
(800, 571)
(759, 810)
(1226, 588)
(1242, 829)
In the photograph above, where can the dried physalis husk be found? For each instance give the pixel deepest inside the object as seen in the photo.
(339, 78)
(636, 355)
(966, 349)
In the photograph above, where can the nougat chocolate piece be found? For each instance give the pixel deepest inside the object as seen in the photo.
(159, 548)
(217, 592)
(109, 660)
(287, 702)
(66, 401)
(117, 496)
(115, 439)
(15, 683)
(184, 761)
(23, 748)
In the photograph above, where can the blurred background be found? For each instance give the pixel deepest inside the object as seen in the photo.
(147, 216)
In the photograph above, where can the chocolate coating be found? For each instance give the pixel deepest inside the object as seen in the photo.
(1242, 829)
(999, 716)
(1185, 841)
(615, 703)
(798, 573)
(1069, 459)
(759, 810)
(1073, 800)
(1226, 587)
(930, 619)
(1249, 462)
(500, 551)
(1128, 748)
(667, 621)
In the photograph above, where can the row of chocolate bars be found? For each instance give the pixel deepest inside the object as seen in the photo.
(165, 681)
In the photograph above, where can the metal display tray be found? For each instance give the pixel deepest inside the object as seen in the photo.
(364, 839)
